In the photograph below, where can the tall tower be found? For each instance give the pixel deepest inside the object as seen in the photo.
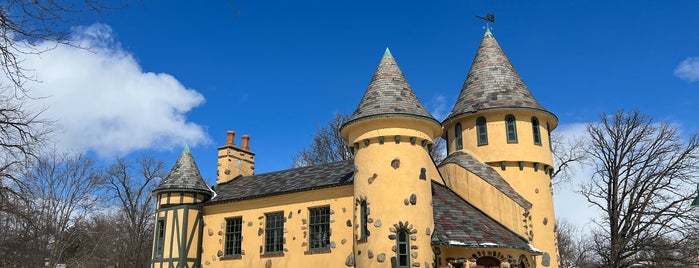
(178, 223)
(498, 120)
(391, 134)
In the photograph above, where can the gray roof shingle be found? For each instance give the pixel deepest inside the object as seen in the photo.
(285, 181)
(492, 83)
(184, 176)
(389, 95)
(487, 173)
(459, 224)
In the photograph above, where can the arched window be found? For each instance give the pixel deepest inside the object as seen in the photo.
(482, 131)
(403, 250)
(364, 216)
(535, 131)
(511, 128)
(458, 137)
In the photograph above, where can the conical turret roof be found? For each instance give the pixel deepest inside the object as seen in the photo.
(492, 83)
(389, 95)
(184, 176)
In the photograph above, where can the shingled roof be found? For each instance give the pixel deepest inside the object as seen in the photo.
(285, 181)
(487, 173)
(492, 83)
(184, 176)
(459, 224)
(389, 95)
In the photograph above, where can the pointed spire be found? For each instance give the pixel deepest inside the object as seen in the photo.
(389, 95)
(492, 83)
(184, 176)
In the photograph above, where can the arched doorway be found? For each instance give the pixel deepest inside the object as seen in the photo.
(488, 262)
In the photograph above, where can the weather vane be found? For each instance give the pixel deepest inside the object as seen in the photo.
(488, 18)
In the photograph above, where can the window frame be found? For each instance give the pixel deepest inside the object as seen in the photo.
(403, 248)
(232, 245)
(536, 132)
(319, 224)
(274, 232)
(458, 137)
(511, 128)
(482, 131)
(363, 221)
(159, 249)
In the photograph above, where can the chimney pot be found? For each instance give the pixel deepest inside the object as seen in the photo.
(246, 142)
(230, 135)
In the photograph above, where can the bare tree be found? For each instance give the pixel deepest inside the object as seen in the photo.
(644, 180)
(568, 153)
(327, 146)
(23, 26)
(573, 246)
(131, 185)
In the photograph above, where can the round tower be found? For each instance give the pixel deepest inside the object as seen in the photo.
(391, 134)
(497, 120)
(178, 221)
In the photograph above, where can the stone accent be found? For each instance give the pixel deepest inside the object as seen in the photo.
(268, 264)
(395, 163)
(372, 178)
(343, 241)
(423, 174)
(349, 261)
(377, 223)
(546, 259)
(370, 254)
(381, 257)
(413, 199)
(546, 221)
(349, 223)
(211, 232)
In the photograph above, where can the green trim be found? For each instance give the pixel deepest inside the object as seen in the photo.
(536, 133)
(482, 131)
(403, 248)
(458, 136)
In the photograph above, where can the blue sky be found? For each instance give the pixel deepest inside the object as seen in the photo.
(162, 74)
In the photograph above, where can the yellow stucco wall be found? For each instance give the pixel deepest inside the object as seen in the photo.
(485, 197)
(395, 180)
(535, 186)
(295, 207)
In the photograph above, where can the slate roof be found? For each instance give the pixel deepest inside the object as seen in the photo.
(389, 95)
(285, 181)
(459, 224)
(488, 174)
(492, 83)
(184, 176)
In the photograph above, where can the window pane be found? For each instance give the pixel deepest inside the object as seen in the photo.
(232, 245)
(319, 226)
(482, 131)
(274, 232)
(458, 137)
(511, 129)
(535, 131)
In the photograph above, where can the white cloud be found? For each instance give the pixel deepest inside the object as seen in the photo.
(688, 69)
(104, 102)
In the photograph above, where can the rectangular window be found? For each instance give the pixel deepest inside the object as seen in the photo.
(234, 230)
(319, 227)
(363, 221)
(159, 238)
(274, 232)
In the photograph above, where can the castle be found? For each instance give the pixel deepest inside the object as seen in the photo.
(487, 204)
